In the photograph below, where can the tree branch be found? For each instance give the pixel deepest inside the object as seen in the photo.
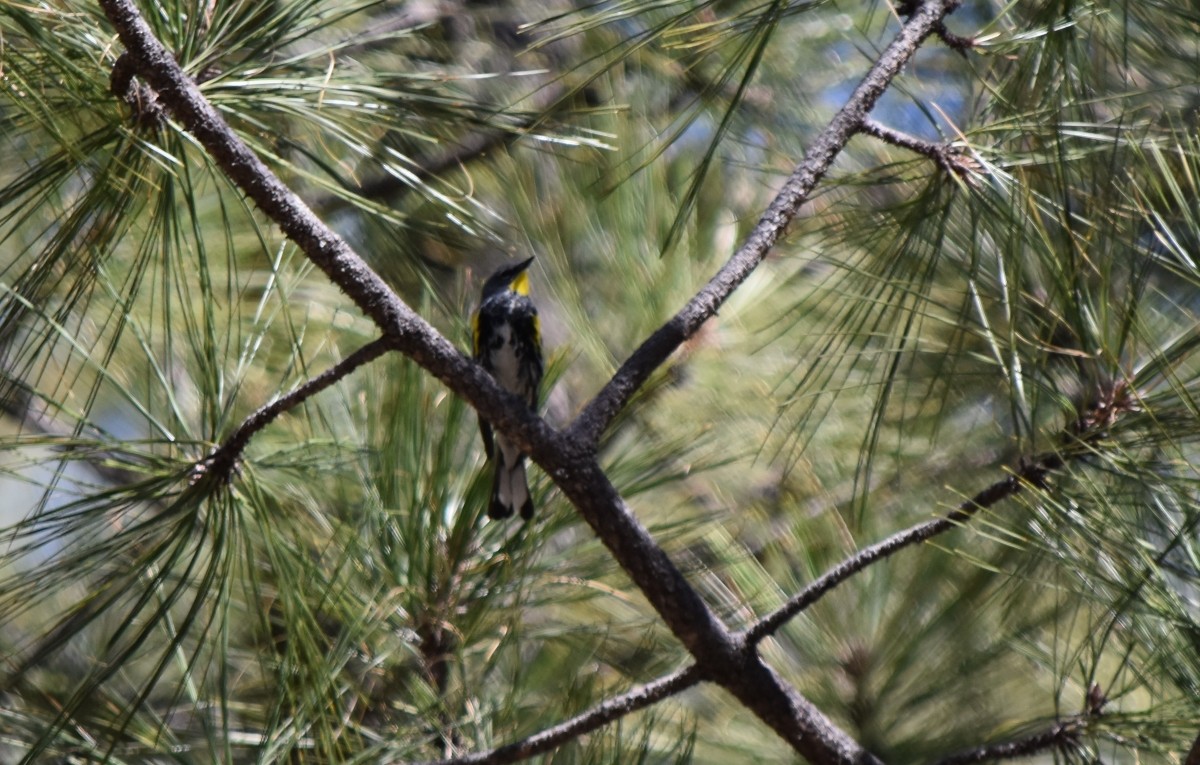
(1032, 474)
(21, 406)
(906, 8)
(722, 657)
(570, 458)
(1078, 439)
(952, 160)
(141, 99)
(600, 715)
(1058, 736)
(471, 147)
(599, 413)
(411, 334)
(221, 463)
(955, 42)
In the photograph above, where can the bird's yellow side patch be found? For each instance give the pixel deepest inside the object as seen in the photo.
(475, 349)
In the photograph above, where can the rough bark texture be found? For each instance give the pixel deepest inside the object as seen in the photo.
(771, 226)
(569, 458)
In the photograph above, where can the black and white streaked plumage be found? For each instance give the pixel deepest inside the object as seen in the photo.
(508, 344)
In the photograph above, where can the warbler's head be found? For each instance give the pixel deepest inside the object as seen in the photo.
(512, 278)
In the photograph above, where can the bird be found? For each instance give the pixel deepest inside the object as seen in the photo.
(507, 342)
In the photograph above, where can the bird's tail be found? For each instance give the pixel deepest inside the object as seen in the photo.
(510, 490)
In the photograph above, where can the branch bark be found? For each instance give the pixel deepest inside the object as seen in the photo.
(221, 463)
(599, 413)
(599, 716)
(1033, 473)
(569, 458)
(949, 158)
(1058, 736)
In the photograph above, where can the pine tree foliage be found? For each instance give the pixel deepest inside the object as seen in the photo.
(989, 303)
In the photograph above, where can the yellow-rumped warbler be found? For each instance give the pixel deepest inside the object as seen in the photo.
(508, 343)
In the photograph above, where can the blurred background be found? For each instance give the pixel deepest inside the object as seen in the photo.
(918, 337)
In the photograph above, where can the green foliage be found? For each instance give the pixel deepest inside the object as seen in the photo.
(919, 336)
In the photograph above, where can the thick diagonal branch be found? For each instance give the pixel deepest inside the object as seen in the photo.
(824, 149)
(411, 334)
(568, 458)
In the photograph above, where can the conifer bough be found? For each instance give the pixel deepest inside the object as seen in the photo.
(568, 457)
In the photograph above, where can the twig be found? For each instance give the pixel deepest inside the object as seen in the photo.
(568, 458)
(20, 405)
(599, 413)
(411, 334)
(958, 43)
(1058, 736)
(954, 42)
(221, 463)
(143, 101)
(1032, 474)
(600, 715)
(949, 158)
(1078, 439)
(472, 147)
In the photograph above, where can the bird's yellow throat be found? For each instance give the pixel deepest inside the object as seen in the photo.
(520, 285)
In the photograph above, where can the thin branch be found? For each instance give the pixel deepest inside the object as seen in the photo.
(958, 43)
(221, 463)
(599, 413)
(722, 657)
(1058, 736)
(1032, 474)
(143, 100)
(569, 459)
(951, 159)
(21, 405)
(600, 715)
(411, 334)
(470, 148)
(955, 42)
(1109, 402)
